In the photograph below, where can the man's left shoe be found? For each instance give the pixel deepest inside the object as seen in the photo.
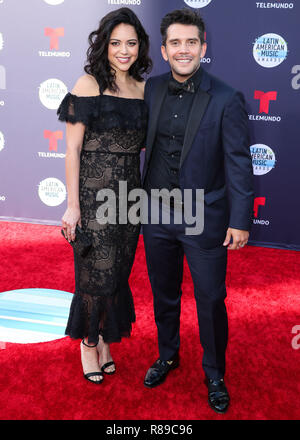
(218, 397)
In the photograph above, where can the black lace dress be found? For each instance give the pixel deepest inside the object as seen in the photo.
(114, 135)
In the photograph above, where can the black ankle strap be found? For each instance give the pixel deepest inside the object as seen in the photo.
(91, 346)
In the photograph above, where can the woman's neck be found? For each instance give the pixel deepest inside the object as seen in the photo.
(122, 78)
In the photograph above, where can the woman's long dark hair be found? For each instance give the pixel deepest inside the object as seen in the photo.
(97, 53)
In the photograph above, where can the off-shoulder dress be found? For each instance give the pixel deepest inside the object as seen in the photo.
(115, 130)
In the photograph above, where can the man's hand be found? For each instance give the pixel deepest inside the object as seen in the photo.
(239, 238)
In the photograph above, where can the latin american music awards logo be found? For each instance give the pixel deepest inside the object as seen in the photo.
(54, 2)
(2, 78)
(263, 159)
(52, 191)
(51, 93)
(2, 142)
(125, 2)
(270, 50)
(197, 3)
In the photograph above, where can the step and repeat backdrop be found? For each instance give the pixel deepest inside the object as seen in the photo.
(252, 45)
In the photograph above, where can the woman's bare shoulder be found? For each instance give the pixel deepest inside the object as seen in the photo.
(141, 86)
(86, 85)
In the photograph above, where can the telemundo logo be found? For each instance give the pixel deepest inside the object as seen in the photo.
(272, 5)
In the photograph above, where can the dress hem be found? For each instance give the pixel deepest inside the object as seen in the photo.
(114, 341)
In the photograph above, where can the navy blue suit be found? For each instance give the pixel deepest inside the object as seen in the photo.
(215, 157)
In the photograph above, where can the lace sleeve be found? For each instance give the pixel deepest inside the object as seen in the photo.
(77, 109)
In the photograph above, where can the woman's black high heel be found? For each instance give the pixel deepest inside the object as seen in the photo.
(108, 364)
(96, 373)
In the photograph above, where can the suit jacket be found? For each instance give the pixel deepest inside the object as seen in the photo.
(215, 154)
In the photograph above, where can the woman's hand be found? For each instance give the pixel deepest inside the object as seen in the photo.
(70, 219)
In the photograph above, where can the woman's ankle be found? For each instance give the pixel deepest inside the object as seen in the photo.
(88, 344)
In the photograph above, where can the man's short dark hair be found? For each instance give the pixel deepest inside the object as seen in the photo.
(182, 16)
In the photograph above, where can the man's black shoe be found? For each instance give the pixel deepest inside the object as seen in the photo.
(158, 372)
(218, 397)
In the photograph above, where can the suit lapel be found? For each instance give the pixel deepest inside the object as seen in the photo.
(160, 93)
(199, 106)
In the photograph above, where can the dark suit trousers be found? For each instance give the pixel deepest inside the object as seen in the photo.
(165, 247)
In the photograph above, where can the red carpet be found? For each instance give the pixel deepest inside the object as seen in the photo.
(44, 381)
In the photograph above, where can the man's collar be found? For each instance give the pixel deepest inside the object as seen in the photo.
(195, 78)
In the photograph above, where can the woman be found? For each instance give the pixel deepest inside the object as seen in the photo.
(106, 124)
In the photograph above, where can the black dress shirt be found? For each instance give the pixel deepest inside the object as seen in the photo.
(164, 166)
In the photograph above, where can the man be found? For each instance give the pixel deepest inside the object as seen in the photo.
(197, 139)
